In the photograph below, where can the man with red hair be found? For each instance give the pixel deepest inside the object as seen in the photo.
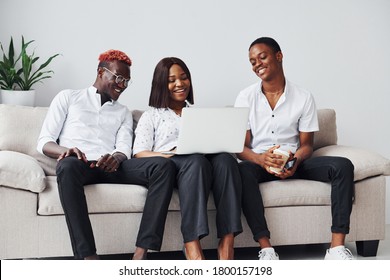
(90, 134)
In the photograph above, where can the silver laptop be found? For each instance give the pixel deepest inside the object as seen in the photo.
(212, 130)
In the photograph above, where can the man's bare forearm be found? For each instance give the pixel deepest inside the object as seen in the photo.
(53, 150)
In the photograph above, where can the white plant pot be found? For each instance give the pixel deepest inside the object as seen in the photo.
(18, 97)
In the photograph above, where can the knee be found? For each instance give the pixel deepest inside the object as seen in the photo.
(224, 160)
(198, 161)
(164, 164)
(344, 166)
(68, 165)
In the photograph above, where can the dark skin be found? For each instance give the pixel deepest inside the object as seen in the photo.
(108, 90)
(267, 65)
(179, 85)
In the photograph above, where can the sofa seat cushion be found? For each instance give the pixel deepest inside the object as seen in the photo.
(367, 164)
(118, 198)
(21, 171)
(295, 192)
(103, 198)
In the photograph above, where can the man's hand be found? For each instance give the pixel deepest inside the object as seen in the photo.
(72, 152)
(274, 160)
(269, 159)
(286, 173)
(109, 163)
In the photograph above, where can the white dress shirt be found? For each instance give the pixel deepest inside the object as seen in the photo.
(77, 119)
(157, 131)
(294, 112)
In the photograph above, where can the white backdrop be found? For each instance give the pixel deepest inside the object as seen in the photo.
(338, 49)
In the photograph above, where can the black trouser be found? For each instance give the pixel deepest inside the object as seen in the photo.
(336, 170)
(157, 174)
(196, 175)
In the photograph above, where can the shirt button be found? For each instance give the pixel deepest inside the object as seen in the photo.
(272, 132)
(273, 115)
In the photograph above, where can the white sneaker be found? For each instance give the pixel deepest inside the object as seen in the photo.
(338, 253)
(268, 254)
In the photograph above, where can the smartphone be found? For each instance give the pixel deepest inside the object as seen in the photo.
(290, 164)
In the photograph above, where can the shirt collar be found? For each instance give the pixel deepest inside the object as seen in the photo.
(93, 92)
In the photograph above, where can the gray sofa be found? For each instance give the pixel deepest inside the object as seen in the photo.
(32, 224)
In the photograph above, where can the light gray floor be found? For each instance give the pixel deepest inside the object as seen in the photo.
(296, 252)
(316, 252)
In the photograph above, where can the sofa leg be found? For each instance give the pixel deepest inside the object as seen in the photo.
(367, 248)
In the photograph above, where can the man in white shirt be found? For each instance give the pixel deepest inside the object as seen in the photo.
(90, 134)
(283, 115)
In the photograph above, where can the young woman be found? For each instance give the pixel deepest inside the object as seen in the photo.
(197, 174)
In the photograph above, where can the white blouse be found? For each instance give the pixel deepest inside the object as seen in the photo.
(157, 131)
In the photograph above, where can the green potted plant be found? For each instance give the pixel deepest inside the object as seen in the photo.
(8, 71)
(17, 74)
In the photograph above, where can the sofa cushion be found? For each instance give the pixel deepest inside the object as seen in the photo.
(103, 198)
(19, 129)
(367, 163)
(21, 171)
(118, 198)
(295, 192)
(327, 134)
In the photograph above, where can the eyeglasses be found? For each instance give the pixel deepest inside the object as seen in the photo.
(119, 79)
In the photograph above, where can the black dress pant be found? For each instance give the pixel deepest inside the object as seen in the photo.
(338, 171)
(157, 174)
(197, 174)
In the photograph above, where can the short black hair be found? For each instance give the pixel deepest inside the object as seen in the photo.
(270, 42)
(160, 94)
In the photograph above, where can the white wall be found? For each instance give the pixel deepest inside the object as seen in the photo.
(337, 49)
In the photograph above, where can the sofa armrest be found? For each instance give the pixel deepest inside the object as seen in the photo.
(21, 171)
(367, 163)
